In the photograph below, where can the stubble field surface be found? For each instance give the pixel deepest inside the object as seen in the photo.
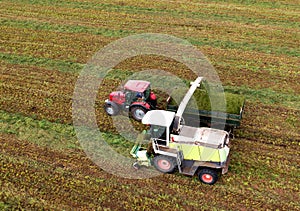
(254, 47)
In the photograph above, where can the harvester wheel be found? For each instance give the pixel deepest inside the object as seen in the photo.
(164, 163)
(136, 166)
(208, 176)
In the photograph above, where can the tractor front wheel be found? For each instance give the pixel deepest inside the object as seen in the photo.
(138, 113)
(111, 109)
(208, 176)
(164, 163)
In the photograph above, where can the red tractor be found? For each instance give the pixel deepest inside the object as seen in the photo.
(136, 98)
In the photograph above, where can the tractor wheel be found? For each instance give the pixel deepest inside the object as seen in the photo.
(164, 163)
(138, 113)
(208, 176)
(111, 109)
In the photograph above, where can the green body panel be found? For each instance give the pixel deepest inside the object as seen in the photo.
(201, 153)
(209, 154)
(141, 155)
(190, 152)
(224, 152)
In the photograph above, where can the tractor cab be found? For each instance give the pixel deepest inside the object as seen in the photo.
(136, 98)
(136, 90)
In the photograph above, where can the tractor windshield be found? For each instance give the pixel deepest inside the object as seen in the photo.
(147, 92)
(129, 96)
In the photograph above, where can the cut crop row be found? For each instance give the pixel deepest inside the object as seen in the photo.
(276, 70)
(67, 179)
(37, 78)
(212, 34)
(269, 66)
(46, 44)
(230, 12)
(254, 69)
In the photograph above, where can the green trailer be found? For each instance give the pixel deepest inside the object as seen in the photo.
(199, 111)
(210, 118)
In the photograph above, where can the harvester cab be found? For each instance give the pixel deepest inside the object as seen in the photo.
(136, 98)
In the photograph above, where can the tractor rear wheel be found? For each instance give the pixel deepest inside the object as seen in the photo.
(164, 163)
(138, 112)
(208, 176)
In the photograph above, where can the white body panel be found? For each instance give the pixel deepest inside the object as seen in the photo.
(188, 96)
(158, 117)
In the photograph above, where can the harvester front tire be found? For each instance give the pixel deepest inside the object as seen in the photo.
(164, 164)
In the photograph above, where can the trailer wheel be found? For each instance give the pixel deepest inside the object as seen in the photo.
(111, 109)
(208, 176)
(164, 164)
(138, 112)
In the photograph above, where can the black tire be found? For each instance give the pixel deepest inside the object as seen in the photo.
(208, 176)
(164, 164)
(111, 109)
(136, 166)
(138, 113)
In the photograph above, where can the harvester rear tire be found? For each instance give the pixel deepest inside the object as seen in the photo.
(208, 176)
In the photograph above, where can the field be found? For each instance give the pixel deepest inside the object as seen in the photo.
(254, 47)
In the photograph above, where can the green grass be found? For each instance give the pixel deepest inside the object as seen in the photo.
(260, 4)
(64, 28)
(42, 132)
(4, 206)
(227, 44)
(161, 10)
(42, 164)
(268, 49)
(53, 135)
(266, 96)
(50, 64)
(203, 99)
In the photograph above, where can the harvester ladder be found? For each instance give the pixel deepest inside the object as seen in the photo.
(179, 159)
